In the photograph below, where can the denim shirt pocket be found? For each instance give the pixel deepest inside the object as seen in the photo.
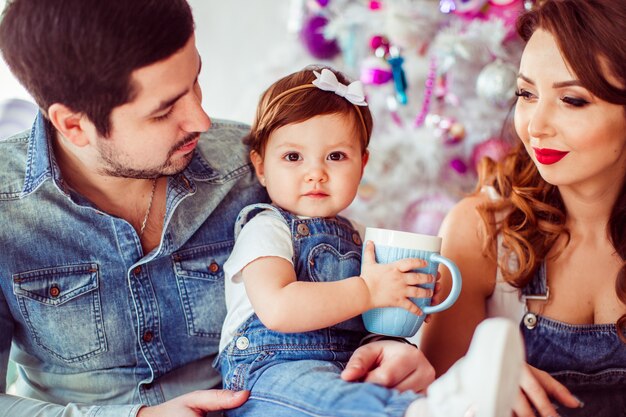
(62, 310)
(200, 280)
(325, 263)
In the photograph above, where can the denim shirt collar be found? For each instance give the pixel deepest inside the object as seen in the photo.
(40, 163)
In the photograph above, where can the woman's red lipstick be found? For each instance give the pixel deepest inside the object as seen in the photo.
(549, 156)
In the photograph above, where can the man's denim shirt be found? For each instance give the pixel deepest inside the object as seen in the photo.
(90, 320)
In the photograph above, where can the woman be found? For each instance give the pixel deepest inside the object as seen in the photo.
(543, 240)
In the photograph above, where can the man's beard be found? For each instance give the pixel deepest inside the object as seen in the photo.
(113, 165)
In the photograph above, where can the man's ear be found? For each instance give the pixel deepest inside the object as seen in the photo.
(364, 159)
(69, 123)
(257, 162)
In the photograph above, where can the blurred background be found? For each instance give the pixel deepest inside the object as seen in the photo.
(439, 76)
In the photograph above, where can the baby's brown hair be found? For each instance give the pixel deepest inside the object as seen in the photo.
(294, 99)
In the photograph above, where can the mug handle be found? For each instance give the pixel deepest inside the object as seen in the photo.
(456, 285)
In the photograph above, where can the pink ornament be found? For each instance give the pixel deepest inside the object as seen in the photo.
(426, 214)
(507, 11)
(494, 148)
(428, 92)
(375, 5)
(469, 9)
(375, 71)
(313, 38)
(378, 41)
(502, 2)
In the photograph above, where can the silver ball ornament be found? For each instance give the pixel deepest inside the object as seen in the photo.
(496, 82)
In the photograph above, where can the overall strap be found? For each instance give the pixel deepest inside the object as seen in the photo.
(505, 300)
(248, 212)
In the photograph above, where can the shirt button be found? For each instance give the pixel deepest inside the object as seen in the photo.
(303, 229)
(147, 336)
(54, 291)
(137, 270)
(242, 343)
(214, 267)
(356, 238)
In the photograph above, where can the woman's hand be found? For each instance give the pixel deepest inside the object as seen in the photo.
(391, 364)
(537, 387)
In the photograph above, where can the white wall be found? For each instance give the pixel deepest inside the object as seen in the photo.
(244, 46)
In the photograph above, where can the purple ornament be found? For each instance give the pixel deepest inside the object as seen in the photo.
(312, 36)
(375, 71)
(458, 165)
(375, 76)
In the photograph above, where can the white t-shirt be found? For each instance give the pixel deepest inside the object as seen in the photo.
(266, 234)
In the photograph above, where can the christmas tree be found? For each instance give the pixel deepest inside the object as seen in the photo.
(440, 79)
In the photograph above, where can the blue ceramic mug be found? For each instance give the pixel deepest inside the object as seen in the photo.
(392, 245)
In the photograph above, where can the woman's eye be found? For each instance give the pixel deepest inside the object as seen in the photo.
(336, 156)
(292, 157)
(575, 102)
(526, 95)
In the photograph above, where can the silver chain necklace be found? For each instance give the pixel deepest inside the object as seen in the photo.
(145, 218)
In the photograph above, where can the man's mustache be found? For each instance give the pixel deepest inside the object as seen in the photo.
(185, 141)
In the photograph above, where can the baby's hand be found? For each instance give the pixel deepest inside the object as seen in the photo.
(390, 285)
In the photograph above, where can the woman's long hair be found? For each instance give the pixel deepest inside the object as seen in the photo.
(588, 33)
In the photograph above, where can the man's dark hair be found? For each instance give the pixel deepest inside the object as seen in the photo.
(81, 53)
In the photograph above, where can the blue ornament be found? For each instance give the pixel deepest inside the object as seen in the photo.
(399, 78)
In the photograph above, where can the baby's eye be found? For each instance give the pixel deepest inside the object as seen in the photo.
(292, 157)
(336, 156)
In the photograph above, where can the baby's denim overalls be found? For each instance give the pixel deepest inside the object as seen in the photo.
(589, 359)
(297, 374)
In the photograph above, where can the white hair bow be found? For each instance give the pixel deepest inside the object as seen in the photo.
(353, 92)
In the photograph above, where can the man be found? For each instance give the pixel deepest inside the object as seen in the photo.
(117, 212)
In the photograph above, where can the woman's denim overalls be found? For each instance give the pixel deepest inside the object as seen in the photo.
(297, 374)
(589, 359)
